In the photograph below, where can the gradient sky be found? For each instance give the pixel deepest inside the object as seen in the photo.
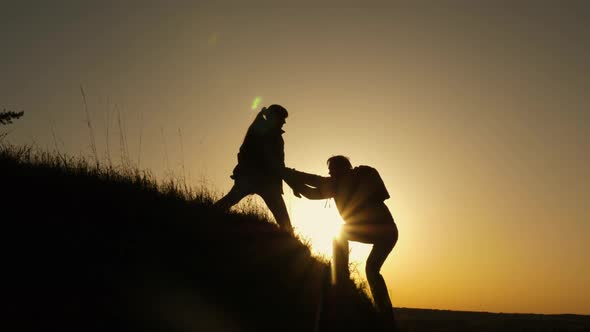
(476, 114)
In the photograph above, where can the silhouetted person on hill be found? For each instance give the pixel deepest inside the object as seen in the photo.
(261, 161)
(359, 194)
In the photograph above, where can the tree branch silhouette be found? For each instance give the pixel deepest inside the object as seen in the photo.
(6, 117)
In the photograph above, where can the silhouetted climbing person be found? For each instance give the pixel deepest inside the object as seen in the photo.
(359, 194)
(261, 161)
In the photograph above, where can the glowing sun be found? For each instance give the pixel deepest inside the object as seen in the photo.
(318, 222)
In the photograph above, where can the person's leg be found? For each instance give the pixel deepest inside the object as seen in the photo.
(377, 284)
(376, 259)
(277, 206)
(233, 197)
(339, 264)
(383, 237)
(364, 233)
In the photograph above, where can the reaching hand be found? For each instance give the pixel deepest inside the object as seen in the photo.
(289, 175)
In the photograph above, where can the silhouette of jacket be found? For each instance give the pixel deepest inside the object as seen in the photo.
(262, 158)
(353, 205)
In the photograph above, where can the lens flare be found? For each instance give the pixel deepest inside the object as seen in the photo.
(256, 102)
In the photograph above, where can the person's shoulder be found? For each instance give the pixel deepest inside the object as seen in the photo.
(362, 168)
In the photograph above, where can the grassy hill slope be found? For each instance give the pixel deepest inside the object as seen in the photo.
(98, 250)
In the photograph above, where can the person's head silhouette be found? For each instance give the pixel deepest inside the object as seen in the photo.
(276, 115)
(338, 166)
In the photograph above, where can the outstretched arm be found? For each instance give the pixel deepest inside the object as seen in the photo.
(309, 185)
(313, 193)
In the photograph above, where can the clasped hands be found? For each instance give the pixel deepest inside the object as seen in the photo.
(294, 179)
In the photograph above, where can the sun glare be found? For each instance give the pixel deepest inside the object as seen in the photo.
(318, 222)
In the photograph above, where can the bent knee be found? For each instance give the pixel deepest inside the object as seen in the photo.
(372, 270)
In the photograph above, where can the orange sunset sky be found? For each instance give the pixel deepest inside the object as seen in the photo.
(476, 114)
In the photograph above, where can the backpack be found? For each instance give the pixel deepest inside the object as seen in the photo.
(370, 186)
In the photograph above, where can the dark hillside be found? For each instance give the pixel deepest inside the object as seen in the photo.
(99, 251)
